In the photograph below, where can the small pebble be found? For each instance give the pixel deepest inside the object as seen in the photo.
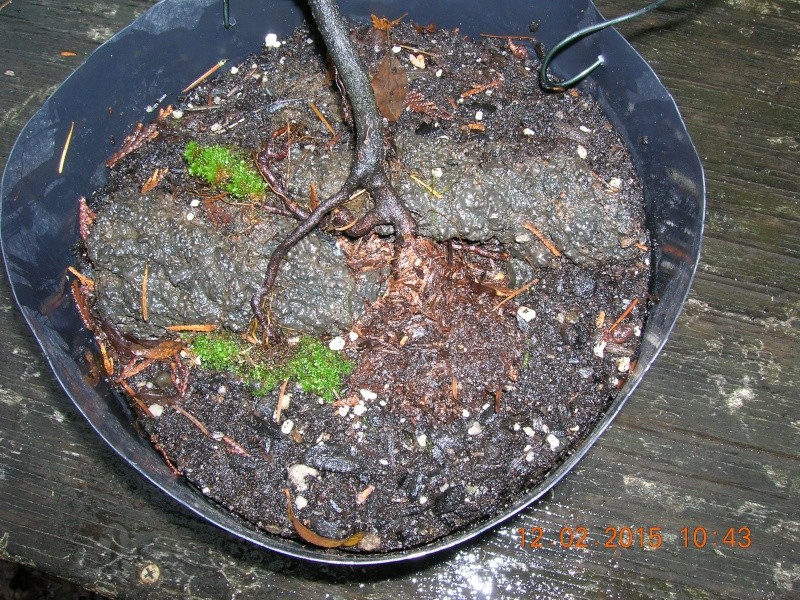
(528, 131)
(439, 73)
(479, 115)
(156, 410)
(300, 503)
(222, 390)
(437, 172)
(529, 431)
(217, 435)
(177, 114)
(271, 41)
(422, 440)
(194, 203)
(615, 183)
(287, 426)
(475, 429)
(599, 349)
(423, 499)
(216, 128)
(189, 216)
(359, 409)
(370, 542)
(396, 49)
(552, 441)
(585, 129)
(582, 152)
(353, 336)
(206, 490)
(234, 70)
(418, 61)
(522, 238)
(362, 496)
(465, 413)
(9, 72)
(336, 343)
(624, 364)
(530, 456)
(343, 410)
(368, 394)
(384, 462)
(297, 475)
(526, 314)
(517, 427)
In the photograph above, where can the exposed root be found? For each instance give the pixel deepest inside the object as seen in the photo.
(369, 169)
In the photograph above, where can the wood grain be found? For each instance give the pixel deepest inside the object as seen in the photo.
(709, 439)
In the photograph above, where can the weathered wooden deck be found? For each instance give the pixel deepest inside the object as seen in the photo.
(710, 439)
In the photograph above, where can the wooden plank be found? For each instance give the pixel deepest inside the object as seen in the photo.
(709, 439)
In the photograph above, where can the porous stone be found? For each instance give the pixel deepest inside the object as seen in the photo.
(197, 274)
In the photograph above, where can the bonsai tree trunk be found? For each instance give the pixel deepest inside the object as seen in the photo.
(369, 167)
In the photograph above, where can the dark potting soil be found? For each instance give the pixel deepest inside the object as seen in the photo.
(484, 352)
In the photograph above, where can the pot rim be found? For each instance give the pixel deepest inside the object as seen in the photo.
(683, 189)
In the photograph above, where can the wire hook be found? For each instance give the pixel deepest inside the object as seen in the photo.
(226, 14)
(558, 86)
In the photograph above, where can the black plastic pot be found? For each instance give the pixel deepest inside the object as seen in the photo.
(168, 46)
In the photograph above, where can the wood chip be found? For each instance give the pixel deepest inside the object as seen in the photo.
(542, 238)
(154, 179)
(206, 327)
(85, 281)
(66, 148)
(145, 277)
(481, 88)
(362, 496)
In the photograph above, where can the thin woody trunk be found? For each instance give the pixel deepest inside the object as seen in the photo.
(369, 168)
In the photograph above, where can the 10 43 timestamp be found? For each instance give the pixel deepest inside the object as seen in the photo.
(635, 537)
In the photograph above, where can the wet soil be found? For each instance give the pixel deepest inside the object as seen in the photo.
(463, 396)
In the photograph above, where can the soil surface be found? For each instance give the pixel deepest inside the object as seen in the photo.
(482, 353)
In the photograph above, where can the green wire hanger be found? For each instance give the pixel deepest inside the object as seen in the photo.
(556, 86)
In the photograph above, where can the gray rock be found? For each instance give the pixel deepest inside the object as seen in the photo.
(199, 275)
(485, 201)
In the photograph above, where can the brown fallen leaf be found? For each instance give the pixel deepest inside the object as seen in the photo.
(384, 24)
(67, 53)
(390, 85)
(314, 538)
(429, 28)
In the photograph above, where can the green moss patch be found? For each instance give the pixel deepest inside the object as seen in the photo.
(222, 167)
(318, 369)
